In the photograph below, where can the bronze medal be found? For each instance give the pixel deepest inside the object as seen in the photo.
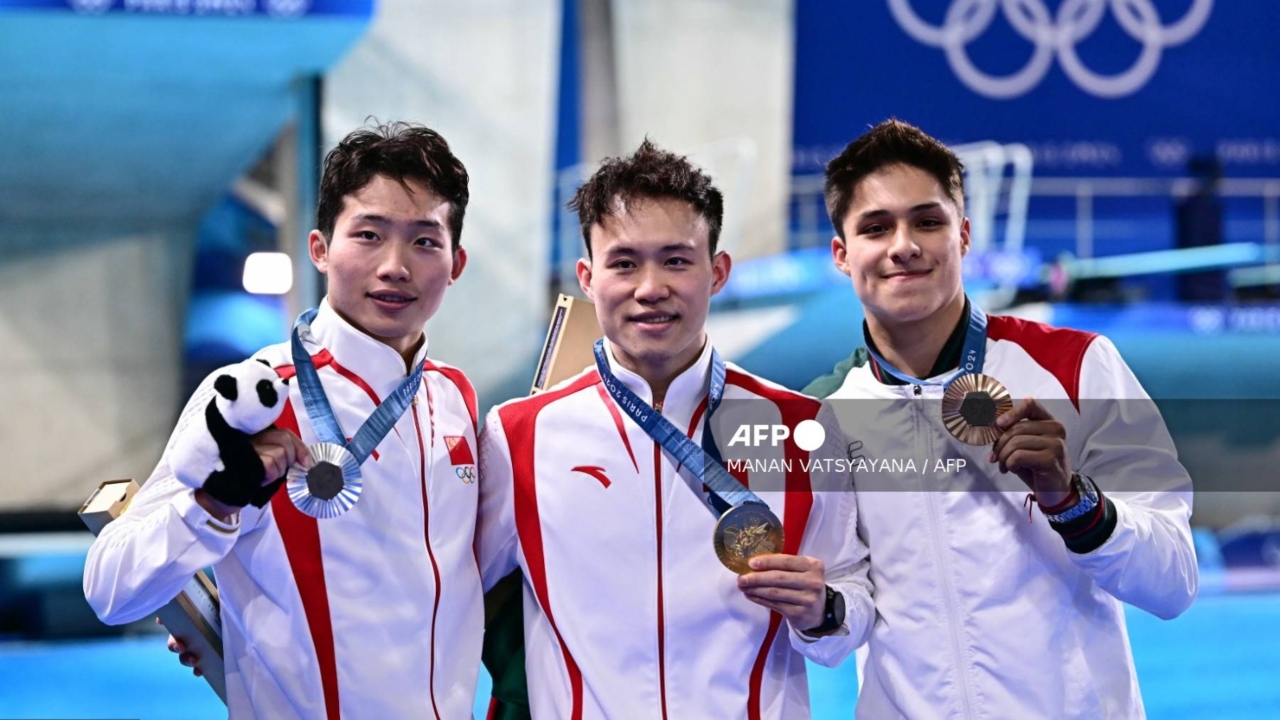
(745, 531)
(970, 407)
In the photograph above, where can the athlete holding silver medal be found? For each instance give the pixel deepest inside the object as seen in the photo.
(334, 608)
(983, 610)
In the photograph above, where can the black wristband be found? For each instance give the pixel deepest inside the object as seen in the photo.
(832, 614)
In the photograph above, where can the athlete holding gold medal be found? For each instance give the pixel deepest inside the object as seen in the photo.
(607, 491)
(981, 609)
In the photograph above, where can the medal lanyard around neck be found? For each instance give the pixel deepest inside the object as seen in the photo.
(704, 461)
(972, 356)
(323, 421)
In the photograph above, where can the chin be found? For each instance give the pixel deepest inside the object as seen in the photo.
(901, 312)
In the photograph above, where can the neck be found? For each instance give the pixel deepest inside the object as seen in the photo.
(913, 347)
(659, 374)
(405, 347)
(409, 352)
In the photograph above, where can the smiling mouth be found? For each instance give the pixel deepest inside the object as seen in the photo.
(908, 274)
(655, 318)
(393, 298)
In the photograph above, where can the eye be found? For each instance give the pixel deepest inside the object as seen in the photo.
(369, 235)
(873, 229)
(427, 242)
(930, 222)
(679, 261)
(622, 265)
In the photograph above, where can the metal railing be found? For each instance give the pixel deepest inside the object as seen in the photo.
(990, 194)
(1086, 189)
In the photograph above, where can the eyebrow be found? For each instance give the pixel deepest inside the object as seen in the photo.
(918, 208)
(383, 220)
(669, 247)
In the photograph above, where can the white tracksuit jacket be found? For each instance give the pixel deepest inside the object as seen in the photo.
(982, 613)
(627, 611)
(374, 614)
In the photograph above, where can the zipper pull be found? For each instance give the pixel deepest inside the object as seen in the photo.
(415, 401)
(916, 390)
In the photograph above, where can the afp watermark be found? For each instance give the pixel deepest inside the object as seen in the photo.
(809, 435)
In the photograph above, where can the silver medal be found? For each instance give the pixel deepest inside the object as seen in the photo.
(330, 487)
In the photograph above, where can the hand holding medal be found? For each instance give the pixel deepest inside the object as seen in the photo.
(745, 526)
(977, 409)
(1033, 445)
(1025, 439)
(331, 485)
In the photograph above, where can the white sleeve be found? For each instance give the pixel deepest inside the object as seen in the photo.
(1149, 559)
(832, 537)
(496, 539)
(144, 558)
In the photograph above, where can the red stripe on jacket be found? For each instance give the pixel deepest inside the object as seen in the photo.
(1061, 351)
(519, 422)
(799, 501)
(464, 386)
(301, 538)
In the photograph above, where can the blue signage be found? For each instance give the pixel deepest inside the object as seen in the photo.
(1131, 88)
(201, 8)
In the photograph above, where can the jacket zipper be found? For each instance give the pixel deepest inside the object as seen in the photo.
(662, 622)
(426, 533)
(935, 534)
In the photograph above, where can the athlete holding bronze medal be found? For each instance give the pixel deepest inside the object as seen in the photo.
(983, 610)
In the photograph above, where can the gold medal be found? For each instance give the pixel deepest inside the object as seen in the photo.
(745, 531)
(330, 487)
(970, 407)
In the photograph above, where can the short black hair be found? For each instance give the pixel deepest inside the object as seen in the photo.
(401, 151)
(889, 143)
(649, 173)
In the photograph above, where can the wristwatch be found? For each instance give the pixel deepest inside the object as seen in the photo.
(1088, 494)
(832, 614)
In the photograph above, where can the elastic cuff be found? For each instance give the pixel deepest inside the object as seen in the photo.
(199, 519)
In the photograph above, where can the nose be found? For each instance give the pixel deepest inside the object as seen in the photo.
(903, 246)
(651, 285)
(393, 262)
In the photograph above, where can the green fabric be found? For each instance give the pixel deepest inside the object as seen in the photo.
(827, 384)
(503, 652)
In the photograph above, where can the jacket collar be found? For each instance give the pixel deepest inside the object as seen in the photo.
(685, 393)
(375, 362)
(948, 358)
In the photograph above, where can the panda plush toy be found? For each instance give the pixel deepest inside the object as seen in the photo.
(212, 448)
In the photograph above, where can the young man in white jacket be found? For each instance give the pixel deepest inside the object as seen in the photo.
(375, 613)
(628, 613)
(984, 609)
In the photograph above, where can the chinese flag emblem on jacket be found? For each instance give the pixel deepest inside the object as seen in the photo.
(459, 450)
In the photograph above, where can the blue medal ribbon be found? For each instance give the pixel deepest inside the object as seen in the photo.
(972, 356)
(704, 461)
(321, 414)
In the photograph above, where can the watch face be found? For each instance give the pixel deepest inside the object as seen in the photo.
(838, 606)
